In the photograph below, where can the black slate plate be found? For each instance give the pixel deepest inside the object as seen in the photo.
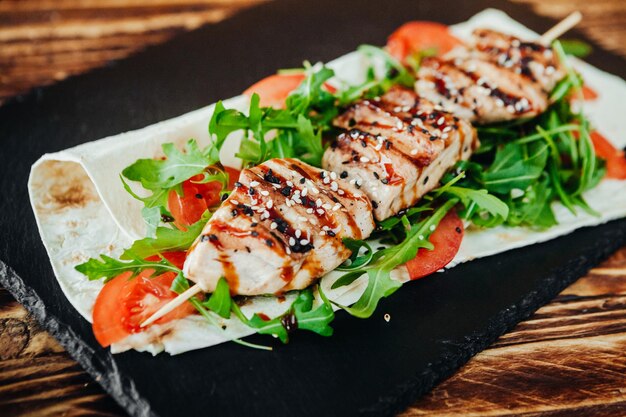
(369, 366)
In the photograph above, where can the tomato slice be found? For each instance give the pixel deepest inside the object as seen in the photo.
(589, 93)
(273, 90)
(124, 303)
(413, 37)
(446, 239)
(615, 158)
(196, 198)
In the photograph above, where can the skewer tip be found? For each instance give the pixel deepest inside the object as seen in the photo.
(182, 297)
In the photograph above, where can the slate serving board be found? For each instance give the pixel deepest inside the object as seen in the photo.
(368, 366)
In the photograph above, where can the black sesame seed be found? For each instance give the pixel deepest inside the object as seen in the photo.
(376, 175)
(286, 191)
(238, 184)
(433, 138)
(330, 233)
(302, 180)
(212, 237)
(234, 213)
(271, 178)
(363, 143)
(254, 233)
(458, 229)
(224, 196)
(374, 204)
(344, 174)
(269, 242)
(198, 196)
(248, 211)
(425, 131)
(254, 224)
(251, 191)
(204, 238)
(426, 179)
(248, 249)
(166, 219)
(385, 181)
(387, 145)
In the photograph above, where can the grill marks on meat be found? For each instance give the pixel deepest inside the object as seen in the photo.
(497, 78)
(279, 230)
(397, 166)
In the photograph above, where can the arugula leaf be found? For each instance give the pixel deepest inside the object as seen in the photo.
(515, 166)
(166, 240)
(576, 47)
(380, 284)
(107, 267)
(158, 174)
(300, 315)
(220, 301)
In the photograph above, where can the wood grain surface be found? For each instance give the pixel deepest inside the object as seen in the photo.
(568, 359)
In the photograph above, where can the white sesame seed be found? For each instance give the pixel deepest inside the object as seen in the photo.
(334, 186)
(288, 202)
(352, 181)
(322, 233)
(302, 219)
(326, 180)
(510, 109)
(336, 207)
(314, 190)
(432, 227)
(254, 202)
(421, 237)
(265, 193)
(289, 183)
(298, 233)
(304, 242)
(269, 204)
(325, 228)
(387, 317)
(441, 120)
(318, 202)
(341, 192)
(235, 202)
(304, 192)
(447, 129)
(413, 151)
(444, 136)
(354, 134)
(292, 241)
(273, 225)
(333, 175)
(320, 211)
(254, 183)
(327, 206)
(309, 210)
(399, 125)
(364, 159)
(288, 251)
(397, 109)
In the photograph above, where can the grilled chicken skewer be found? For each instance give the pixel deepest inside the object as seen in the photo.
(397, 148)
(495, 78)
(424, 162)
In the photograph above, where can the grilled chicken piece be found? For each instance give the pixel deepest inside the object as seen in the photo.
(496, 78)
(398, 148)
(279, 230)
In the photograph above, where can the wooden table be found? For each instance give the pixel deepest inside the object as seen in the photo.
(568, 359)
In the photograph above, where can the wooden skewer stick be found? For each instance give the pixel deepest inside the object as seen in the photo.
(609, 271)
(182, 297)
(560, 28)
(552, 34)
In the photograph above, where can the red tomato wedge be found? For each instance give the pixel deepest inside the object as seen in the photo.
(413, 37)
(273, 90)
(196, 198)
(615, 158)
(589, 94)
(123, 304)
(446, 239)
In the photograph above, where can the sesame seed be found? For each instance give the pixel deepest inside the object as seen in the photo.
(289, 183)
(304, 242)
(265, 193)
(235, 202)
(309, 210)
(304, 192)
(254, 183)
(334, 186)
(341, 192)
(441, 120)
(318, 202)
(432, 227)
(298, 233)
(320, 211)
(399, 125)
(273, 225)
(292, 241)
(413, 151)
(314, 190)
(327, 180)
(333, 175)
(336, 207)
(421, 237)
(364, 159)
(269, 204)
